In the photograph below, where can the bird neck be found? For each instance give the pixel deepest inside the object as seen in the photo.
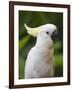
(42, 42)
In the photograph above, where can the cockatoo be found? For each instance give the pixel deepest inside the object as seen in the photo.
(40, 59)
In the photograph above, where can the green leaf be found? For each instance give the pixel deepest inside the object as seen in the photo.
(24, 41)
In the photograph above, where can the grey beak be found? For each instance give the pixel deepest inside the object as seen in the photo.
(54, 35)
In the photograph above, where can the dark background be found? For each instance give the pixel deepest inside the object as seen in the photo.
(26, 42)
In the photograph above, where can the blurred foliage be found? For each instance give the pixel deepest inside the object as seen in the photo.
(26, 42)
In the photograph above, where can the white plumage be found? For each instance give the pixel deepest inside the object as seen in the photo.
(40, 59)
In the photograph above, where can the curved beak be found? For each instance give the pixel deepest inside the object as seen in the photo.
(32, 31)
(54, 35)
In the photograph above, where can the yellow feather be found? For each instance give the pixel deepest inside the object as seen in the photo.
(32, 31)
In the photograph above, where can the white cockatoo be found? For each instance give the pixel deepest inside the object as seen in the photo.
(40, 59)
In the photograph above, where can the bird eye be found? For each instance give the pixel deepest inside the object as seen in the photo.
(47, 32)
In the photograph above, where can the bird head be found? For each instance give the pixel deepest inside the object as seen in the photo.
(45, 31)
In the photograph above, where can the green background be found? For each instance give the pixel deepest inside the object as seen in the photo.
(26, 42)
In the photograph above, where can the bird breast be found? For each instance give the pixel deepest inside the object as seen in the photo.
(39, 63)
(45, 54)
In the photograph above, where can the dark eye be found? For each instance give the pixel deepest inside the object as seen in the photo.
(47, 32)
